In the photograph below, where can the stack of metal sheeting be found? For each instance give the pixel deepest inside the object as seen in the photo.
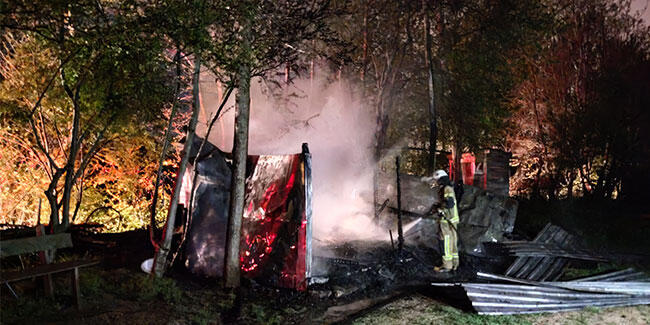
(535, 249)
(621, 288)
(542, 266)
(623, 275)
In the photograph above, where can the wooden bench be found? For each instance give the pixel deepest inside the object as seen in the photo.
(44, 245)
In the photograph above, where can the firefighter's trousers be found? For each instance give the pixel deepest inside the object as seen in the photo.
(450, 245)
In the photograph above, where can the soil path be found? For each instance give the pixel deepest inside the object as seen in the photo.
(420, 309)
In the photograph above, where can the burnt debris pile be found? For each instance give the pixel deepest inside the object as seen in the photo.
(530, 284)
(355, 269)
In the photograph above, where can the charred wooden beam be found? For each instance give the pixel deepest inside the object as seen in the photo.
(400, 234)
(381, 208)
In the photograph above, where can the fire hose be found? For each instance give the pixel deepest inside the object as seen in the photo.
(441, 214)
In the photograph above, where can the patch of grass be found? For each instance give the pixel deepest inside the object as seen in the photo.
(435, 313)
(458, 317)
(29, 309)
(124, 284)
(260, 314)
(225, 300)
(645, 313)
(583, 317)
(204, 316)
(91, 282)
(145, 288)
(203, 306)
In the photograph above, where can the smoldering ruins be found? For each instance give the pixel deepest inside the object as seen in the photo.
(310, 224)
(287, 161)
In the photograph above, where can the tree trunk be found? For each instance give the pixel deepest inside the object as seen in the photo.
(433, 128)
(538, 177)
(161, 256)
(240, 155)
(67, 194)
(163, 153)
(364, 46)
(54, 208)
(69, 167)
(380, 141)
(458, 170)
(238, 183)
(571, 178)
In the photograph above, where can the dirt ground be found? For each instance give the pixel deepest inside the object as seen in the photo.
(420, 309)
(118, 292)
(128, 296)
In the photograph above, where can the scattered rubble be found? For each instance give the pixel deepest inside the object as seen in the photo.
(529, 285)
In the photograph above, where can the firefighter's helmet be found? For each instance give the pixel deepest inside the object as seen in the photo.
(439, 174)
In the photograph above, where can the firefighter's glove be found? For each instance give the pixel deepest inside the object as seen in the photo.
(448, 203)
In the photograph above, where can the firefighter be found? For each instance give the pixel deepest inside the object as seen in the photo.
(448, 213)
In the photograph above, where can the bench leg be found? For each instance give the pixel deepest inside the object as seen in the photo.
(12, 290)
(75, 287)
(47, 284)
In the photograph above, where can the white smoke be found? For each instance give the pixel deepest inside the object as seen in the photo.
(339, 130)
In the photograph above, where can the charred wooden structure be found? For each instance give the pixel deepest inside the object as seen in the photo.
(276, 224)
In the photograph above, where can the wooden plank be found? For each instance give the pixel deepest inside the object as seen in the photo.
(34, 244)
(44, 270)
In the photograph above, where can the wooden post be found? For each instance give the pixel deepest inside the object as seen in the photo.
(76, 293)
(428, 56)
(45, 257)
(308, 210)
(400, 234)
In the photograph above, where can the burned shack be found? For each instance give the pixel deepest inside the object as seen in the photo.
(276, 224)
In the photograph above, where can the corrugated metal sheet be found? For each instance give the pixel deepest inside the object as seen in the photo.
(535, 249)
(525, 296)
(541, 267)
(629, 274)
(598, 286)
(619, 288)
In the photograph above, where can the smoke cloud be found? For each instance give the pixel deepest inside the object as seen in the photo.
(339, 130)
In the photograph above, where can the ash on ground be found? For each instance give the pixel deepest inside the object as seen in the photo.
(358, 269)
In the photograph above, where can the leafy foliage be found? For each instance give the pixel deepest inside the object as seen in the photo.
(580, 130)
(96, 77)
